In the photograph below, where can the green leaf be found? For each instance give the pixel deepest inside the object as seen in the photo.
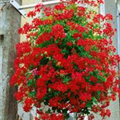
(30, 82)
(98, 37)
(31, 66)
(46, 43)
(66, 79)
(28, 74)
(85, 35)
(86, 111)
(49, 89)
(65, 112)
(103, 79)
(65, 51)
(91, 33)
(94, 100)
(96, 25)
(89, 104)
(44, 61)
(53, 109)
(56, 93)
(32, 94)
(48, 111)
(57, 41)
(76, 67)
(98, 94)
(66, 29)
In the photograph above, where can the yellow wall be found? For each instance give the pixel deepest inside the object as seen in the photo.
(24, 20)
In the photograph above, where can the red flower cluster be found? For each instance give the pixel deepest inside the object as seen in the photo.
(67, 63)
(53, 116)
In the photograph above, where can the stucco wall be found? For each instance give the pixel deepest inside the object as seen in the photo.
(9, 23)
(23, 19)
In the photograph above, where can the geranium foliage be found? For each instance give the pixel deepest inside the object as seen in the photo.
(68, 62)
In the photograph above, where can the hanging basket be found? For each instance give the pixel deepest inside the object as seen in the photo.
(68, 62)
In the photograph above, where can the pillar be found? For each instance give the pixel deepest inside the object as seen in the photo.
(9, 24)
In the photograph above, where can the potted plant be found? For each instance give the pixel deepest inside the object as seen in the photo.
(67, 62)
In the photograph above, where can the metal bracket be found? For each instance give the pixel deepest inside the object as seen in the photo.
(21, 8)
(43, 3)
(17, 7)
(22, 12)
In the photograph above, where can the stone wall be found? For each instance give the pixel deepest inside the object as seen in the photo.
(9, 24)
(110, 8)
